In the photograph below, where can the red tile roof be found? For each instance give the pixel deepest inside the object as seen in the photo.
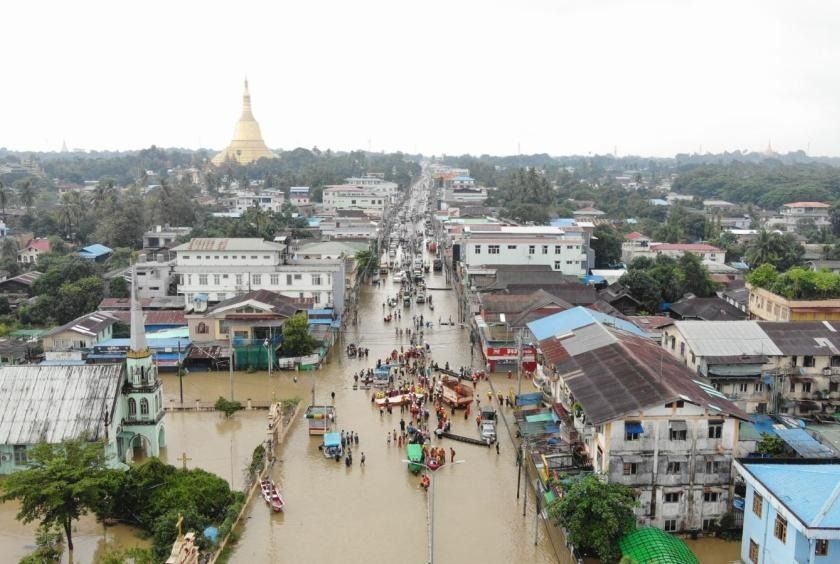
(42, 245)
(635, 235)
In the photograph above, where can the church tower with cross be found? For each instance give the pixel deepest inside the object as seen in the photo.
(142, 393)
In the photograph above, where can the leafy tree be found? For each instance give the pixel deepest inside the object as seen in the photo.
(644, 288)
(48, 546)
(764, 276)
(771, 445)
(695, 276)
(152, 494)
(27, 193)
(296, 338)
(596, 515)
(78, 298)
(5, 198)
(227, 407)
(607, 246)
(118, 288)
(134, 555)
(366, 260)
(60, 484)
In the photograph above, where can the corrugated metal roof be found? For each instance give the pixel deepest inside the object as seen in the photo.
(727, 338)
(55, 403)
(95, 250)
(812, 338)
(220, 244)
(631, 374)
(89, 324)
(574, 318)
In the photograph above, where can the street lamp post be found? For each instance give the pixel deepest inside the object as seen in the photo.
(267, 344)
(232, 359)
(431, 505)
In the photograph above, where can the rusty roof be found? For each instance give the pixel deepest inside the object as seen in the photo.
(154, 317)
(807, 338)
(613, 374)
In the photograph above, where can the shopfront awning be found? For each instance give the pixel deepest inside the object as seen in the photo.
(633, 427)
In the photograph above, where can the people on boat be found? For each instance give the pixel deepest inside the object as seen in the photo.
(425, 482)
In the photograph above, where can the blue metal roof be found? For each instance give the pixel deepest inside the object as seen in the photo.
(592, 279)
(575, 318)
(563, 222)
(95, 250)
(805, 489)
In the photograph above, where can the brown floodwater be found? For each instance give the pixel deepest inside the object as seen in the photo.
(376, 514)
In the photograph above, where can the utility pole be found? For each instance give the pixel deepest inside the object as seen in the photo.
(232, 360)
(519, 361)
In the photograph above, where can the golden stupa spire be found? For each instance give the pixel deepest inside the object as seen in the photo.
(247, 145)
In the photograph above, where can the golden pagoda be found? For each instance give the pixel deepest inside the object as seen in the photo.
(247, 145)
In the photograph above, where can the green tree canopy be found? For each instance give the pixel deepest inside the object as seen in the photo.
(60, 484)
(296, 338)
(596, 515)
(797, 283)
(607, 245)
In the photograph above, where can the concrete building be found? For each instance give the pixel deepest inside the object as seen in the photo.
(299, 195)
(80, 334)
(635, 244)
(765, 367)
(791, 512)
(121, 404)
(163, 236)
(642, 417)
(676, 250)
(32, 250)
(348, 197)
(767, 306)
(268, 200)
(796, 214)
(561, 250)
(217, 269)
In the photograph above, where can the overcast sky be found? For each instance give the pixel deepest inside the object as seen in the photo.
(451, 76)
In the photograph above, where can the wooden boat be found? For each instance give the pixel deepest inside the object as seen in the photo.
(414, 453)
(396, 401)
(271, 495)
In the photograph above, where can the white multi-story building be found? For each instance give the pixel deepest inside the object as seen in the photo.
(676, 250)
(374, 184)
(299, 195)
(267, 200)
(642, 417)
(796, 214)
(347, 197)
(561, 249)
(217, 269)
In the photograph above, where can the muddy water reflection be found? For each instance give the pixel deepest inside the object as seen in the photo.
(378, 513)
(90, 539)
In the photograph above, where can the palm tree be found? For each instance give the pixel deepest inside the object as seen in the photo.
(103, 194)
(4, 199)
(71, 211)
(765, 249)
(27, 195)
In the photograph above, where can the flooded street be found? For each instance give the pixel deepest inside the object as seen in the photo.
(376, 514)
(379, 513)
